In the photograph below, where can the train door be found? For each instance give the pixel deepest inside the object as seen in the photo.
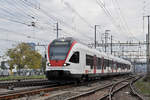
(102, 65)
(112, 66)
(94, 63)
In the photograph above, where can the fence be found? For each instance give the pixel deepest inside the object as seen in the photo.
(22, 72)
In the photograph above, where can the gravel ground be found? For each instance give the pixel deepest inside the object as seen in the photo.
(15, 89)
(69, 92)
(65, 93)
(124, 94)
(22, 80)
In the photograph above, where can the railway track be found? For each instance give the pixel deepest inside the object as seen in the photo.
(134, 92)
(33, 91)
(103, 93)
(67, 86)
(37, 90)
(117, 87)
(11, 85)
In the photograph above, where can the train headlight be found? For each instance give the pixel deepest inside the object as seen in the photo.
(66, 64)
(48, 64)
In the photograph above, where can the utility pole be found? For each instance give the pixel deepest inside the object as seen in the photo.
(95, 35)
(43, 58)
(122, 54)
(106, 38)
(148, 50)
(57, 29)
(111, 45)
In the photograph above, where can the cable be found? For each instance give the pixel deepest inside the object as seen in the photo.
(123, 19)
(18, 7)
(82, 18)
(51, 16)
(10, 10)
(108, 13)
(15, 21)
(118, 12)
(22, 34)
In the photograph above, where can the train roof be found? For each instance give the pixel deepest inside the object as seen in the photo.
(102, 54)
(71, 39)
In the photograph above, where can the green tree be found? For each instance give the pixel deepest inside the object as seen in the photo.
(23, 56)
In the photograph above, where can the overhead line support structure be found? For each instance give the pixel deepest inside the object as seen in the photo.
(57, 29)
(106, 38)
(95, 29)
(111, 44)
(148, 49)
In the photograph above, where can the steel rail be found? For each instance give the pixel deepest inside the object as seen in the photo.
(27, 92)
(93, 91)
(135, 92)
(111, 92)
(25, 83)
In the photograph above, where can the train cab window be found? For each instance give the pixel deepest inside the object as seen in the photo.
(75, 57)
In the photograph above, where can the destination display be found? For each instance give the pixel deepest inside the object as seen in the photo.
(61, 43)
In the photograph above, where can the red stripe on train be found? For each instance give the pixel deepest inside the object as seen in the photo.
(48, 53)
(95, 61)
(70, 49)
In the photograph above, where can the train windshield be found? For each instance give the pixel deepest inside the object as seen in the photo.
(59, 50)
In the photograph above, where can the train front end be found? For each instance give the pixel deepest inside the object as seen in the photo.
(58, 66)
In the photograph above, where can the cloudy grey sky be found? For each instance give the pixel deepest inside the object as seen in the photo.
(76, 18)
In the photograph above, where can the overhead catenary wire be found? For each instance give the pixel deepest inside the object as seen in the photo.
(11, 11)
(18, 7)
(13, 15)
(74, 11)
(28, 16)
(118, 12)
(77, 13)
(54, 18)
(109, 14)
(15, 21)
(124, 23)
(29, 3)
(23, 34)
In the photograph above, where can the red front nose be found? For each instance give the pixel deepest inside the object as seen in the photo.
(57, 62)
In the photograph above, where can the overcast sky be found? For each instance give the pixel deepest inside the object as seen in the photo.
(76, 18)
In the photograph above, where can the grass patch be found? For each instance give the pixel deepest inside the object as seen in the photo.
(144, 87)
(22, 77)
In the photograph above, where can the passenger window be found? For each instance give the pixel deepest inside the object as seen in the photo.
(89, 61)
(75, 58)
(99, 63)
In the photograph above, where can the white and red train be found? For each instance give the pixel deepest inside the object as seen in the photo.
(70, 59)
